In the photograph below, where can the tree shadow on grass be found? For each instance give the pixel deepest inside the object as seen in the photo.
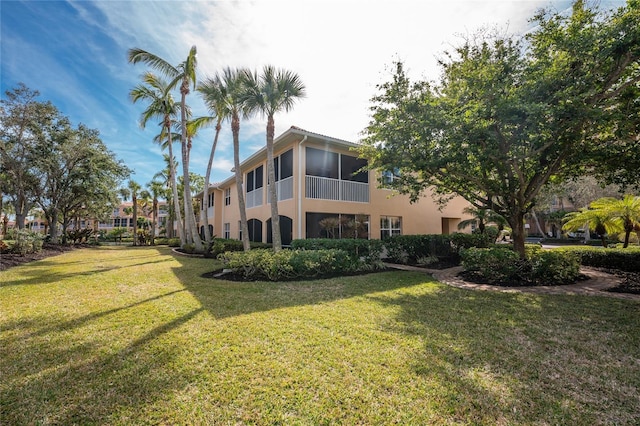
(40, 274)
(516, 359)
(223, 298)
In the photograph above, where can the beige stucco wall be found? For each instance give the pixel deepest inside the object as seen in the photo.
(422, 217)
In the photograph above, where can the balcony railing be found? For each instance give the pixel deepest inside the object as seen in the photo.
(322, 188)
(284, 189)
(254, 198)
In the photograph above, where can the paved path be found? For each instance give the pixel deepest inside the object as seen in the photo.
(596, 284)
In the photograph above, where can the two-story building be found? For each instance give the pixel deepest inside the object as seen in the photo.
(323, 191)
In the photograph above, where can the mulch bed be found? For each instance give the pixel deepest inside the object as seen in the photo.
(9, 260)
(630, 282)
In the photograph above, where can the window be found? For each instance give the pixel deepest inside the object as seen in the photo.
(255, 179)
(321, 163)
(328, 225)
(240, 230)
(255, 230)
(390, 225)
(116, 212)
(227, 230)
(283, 165)
(227, 196)
(211, 199)
(351, 169)
(389, 176)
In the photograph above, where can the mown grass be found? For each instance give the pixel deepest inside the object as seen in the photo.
(121, 335)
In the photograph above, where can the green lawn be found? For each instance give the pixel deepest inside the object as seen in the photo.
(121, 335)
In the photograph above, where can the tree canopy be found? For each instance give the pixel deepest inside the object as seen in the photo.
(67, 171)
(510, 113)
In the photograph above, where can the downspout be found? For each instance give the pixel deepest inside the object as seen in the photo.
(300, 179)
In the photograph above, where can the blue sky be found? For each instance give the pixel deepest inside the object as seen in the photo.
(75, 54)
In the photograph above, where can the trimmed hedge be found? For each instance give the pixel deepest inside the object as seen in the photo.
(503, 266)
(360, 252)
(408, 249)
(627, 260)
(287, 264)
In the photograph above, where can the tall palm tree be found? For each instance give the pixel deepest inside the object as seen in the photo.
(273, 91)
(185, 75)
(163, 177)
(156, 189)
(234, 84)
(161, 105)
(132, 191)
(214, 94)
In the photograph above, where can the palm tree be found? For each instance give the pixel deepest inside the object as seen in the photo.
(481, 218)
(156, 189)
(214, 94)
(185, 74)
(161, 105)
(132, 190)
(625, 213)
(594, 220)
(163, 177)
(273, 91)
(232, 80)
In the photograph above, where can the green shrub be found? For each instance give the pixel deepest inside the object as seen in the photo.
(286, 264)
(554, 267)
(189, 248)
(501, 265)
(409, 248)
(496, 265)
(612, 258)
(461, 241)
(532, 250)
(359, 252)
(161, 241)
(173, 242)
(27, 242)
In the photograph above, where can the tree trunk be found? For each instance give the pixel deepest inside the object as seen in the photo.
(273, 191)
(190, 220)
(21, 208)
(174, 190)
(235, 129)
(155, 219)
(207, 176)
(134, 198)
(516, 220)
(52, 217)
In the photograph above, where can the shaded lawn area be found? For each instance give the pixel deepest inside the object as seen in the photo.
(123, 335)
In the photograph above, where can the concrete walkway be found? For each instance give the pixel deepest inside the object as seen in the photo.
(596, 285)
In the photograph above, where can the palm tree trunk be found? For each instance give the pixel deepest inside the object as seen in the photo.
(207, 176)
(235, 129)
(134, 198)
(174, 190)
(190, 220)
(155, 218)
(273, 191)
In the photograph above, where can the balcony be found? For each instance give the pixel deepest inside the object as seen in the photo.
(284, 189)
(254, 198)
(322, 188)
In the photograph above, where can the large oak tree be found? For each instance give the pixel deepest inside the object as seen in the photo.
(509, 113)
